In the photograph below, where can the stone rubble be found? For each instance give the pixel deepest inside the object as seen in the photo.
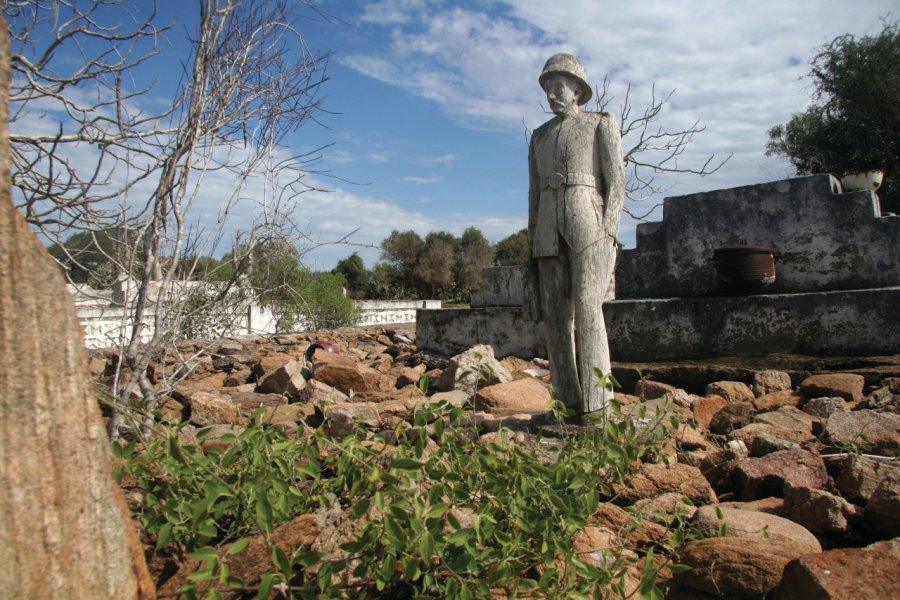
(794, 486)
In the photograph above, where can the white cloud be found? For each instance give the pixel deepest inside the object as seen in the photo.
(391, 12)
(422, 180)
(443, 159)
(378, 157)
(340, 156)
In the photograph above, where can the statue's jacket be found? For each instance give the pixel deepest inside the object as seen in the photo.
(572, 173)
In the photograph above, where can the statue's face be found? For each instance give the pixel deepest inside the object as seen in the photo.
(562, 93)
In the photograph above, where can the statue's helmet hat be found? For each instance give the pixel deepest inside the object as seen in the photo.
(571, 66)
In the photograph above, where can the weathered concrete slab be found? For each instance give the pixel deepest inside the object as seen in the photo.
(509, 330)
(827, 240)
(852, 322)
(501, 286)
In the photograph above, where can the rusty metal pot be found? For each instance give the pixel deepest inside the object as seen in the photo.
(744, 269)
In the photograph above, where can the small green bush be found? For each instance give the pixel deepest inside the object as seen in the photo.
(451, 520)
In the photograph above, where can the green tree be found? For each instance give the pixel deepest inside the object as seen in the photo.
(474, 253)
(94, 257)
(400, 251)
(436, 262)
(512, 250)
(296, 296)
(353, 269)
(276, 276)
(854, 122)
(324, 305)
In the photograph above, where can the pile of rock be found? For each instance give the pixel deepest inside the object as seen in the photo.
(796, 488)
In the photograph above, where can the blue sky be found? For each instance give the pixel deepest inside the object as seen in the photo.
(430, 101)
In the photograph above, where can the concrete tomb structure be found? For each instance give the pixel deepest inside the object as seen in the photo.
(836, 290)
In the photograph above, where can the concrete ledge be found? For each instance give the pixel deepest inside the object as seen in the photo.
(850, 322)
(507, 329)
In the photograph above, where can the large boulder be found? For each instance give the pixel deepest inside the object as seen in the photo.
(208, 408)
(766, 382)
(744, 523)
(737, 568)
(873, 432)
(767, 442)
(247, 402)
(641, 533)
(818, 510)
(882, 400)
(652, 480)
(473, 369)
(790, 418)
(268, 363)
(883, 509)
(825, 407)
(344, 418)
(319, 392)
(732, 391)
(287, 379)
(733, 416)
(774, 400)
(346, 378)
(523, 396)
(868, 573)
(859, 476)
(748, 433)
(705, 408)
(649, 389)
(848, 386)
(767, 476)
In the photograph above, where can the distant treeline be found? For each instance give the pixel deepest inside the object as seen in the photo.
(440, 265)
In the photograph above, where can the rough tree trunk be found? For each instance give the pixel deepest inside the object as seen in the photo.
(64, 528)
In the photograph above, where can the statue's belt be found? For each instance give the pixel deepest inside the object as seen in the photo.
(558, 180)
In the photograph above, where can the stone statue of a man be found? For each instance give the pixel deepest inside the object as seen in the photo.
(577, 187)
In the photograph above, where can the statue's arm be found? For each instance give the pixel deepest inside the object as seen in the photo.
(533, 299)
(609, 141)
(533, 193)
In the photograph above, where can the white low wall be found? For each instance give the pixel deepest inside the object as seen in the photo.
(388, 312)
(106, 324)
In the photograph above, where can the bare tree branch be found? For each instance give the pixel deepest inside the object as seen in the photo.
(649, 148)
(128, 173)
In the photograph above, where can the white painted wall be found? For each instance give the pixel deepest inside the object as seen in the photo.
(106, 324)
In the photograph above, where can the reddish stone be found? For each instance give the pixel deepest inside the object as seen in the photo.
(732, 391)
(212, 409)
(649, 389)
(653, 480)
(737, 568)
(287, 379)
(848, 386)
(318, 392)
(774, 400)
(868, 573)
(267, 364)
(345, 378)
(705, 408)
(515, 397)
(733, 416)
(767, 476)
(874, 432)
(745, 523)
(766, 382)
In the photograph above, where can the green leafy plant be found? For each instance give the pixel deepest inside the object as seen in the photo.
(437, 514)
